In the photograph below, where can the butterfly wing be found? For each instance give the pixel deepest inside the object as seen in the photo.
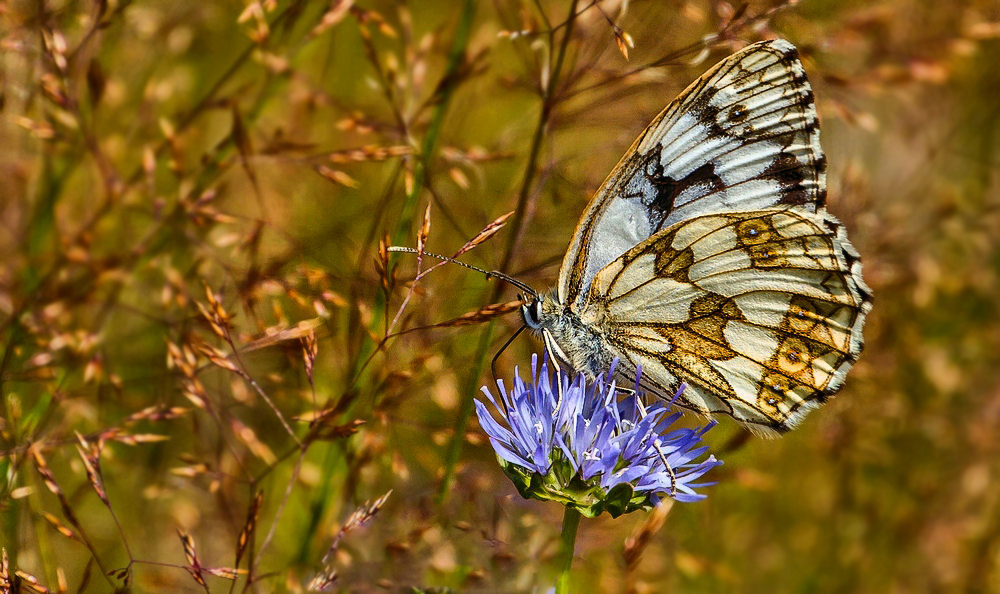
(760, 313)
(744, 136)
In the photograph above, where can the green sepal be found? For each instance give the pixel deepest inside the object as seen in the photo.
(564, 486)
(618, 499)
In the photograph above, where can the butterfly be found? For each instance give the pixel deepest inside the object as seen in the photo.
(707, 257)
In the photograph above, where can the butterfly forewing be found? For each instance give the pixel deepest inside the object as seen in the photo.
(760, 313)
(744, 136)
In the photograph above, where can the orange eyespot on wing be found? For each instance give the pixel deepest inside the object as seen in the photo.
(761, 341)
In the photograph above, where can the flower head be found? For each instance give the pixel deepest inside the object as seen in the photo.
(577, 443)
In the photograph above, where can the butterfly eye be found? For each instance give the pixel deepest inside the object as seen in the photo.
(532, 313)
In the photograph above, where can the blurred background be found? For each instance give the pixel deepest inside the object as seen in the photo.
(195, 380)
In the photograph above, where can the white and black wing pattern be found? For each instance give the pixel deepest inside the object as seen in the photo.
(743, 137)
(760, 313)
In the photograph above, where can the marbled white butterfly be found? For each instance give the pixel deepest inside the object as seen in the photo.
(708, 257)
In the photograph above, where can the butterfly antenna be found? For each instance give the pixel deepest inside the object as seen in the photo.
(493, 364)
(489, 273)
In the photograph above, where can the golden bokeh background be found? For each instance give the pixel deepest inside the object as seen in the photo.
(182, 181)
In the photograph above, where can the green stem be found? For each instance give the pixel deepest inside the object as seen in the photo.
(449, 83)
(549, 99)
(462, 424)
(516, 225)
(567, 544)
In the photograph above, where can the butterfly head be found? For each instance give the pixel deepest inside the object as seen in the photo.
(538, 310)
(568, 341)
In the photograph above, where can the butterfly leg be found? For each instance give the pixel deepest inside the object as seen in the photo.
(659, 450)
(493, 363)
(557, 358)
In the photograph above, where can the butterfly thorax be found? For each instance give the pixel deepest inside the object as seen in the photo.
(575, 343)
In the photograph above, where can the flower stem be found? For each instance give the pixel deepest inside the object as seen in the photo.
(567, 544)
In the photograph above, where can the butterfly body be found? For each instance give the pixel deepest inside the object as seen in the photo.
(708, 258)
(576, 342)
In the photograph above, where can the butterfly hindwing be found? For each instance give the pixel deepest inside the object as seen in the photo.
(744, 136)
(760, 313)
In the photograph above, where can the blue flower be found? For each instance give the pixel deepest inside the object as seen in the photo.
(579, 444)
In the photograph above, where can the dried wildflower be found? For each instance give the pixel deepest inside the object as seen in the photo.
(337, 176)
(5, 582)
(623, 40)
(488, 231)
(576, 443)
(483, 314)
(325, 579)
(250, 526)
